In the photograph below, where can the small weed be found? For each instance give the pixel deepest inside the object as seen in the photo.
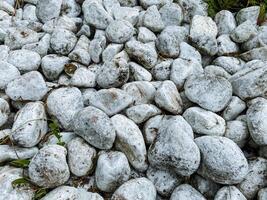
(55, 130)
(20, 163)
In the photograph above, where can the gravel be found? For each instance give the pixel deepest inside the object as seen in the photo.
(132, 99)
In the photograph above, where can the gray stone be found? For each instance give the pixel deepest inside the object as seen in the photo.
(48, 9)
(17, 37)
(95, 14)
(141, 113)
(225, 21)
(63, 41)
(95, 127)
(226, 46)
(214, 70)
(255, 54)
(210, 92)
(204, 122)
(171, 14)
(7, 176)
(112, 170)
(145, 35)
(262, 194)
(164, 180)
(182, 69)
(30, 125)
(139, 73)
(30, 86)
(235, 107)
(255, 179)
(168, 42)
(63, 104)
(256, 115)
(70, 8)
(188, 52)
(162, 70)
(203, 32)
(29, 12)
(250, 81)
(24, 60)
(230, 64)
(229, 193)
(139, 187)
(192, 8)
(119, 31)
(175, 141)
(144, 54)
(222, 160)
(4, 111)
(151, 127)
(238, 132)
(250, 13)
(243, 32)
(53, 65)
(97, 45)
(152, 19)
(8, 73)
(83, 77)
(186, 191)
(110, 51)
(67, 192)
(113, 73)
(9, 153)
(4, 53)
(111, 101)
(49, 167)
(81, 157)
(126, 13)
(168, 98)
(130, 141)
(142, 92)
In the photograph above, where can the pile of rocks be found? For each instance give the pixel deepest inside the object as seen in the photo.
(155, 100)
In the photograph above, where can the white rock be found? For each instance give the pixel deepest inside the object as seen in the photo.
(24, 60)
(83, 77)
(225, 21)
(139, 187)
(204, 122)
(112, 170)
(8, 73)
(119, 31)
(30, 125)
(64, 103)
(151, 127)
(95, 127)
(186, 191)
(81, 157)
(30, 86)
(48, 9)
(130, 141)
(229, 193)
(49, 168)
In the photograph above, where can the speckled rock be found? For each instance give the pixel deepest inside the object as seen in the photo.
(210, 92)
(30, 86)
(7, 176)
(63, 41)
(139, 187)
(111, 101)
(204, 122)
(255, 179)
(47, 10)
(63, 103)
(221, 160)
(203, 32)
(180, 147)
(168, 41)
(262, 194)
(250, 13)
(186, 191)
(171, 14)
(30, 125)
(141, 113)
(139, 73)
(112, 170)
(8, 153)
(83, 77)
(234, 108)
(99, 132)
(144, 54)
(81, 157)
(4, 111)
(230, 64)
(119, 31)
(255, 54)
(243, 32)
(49, 168)
(225, 22)
(168, 98)
(24, 60)
(152, 19)
(130, 141)
(113, 73)
(229, 193)
(162, 70)
(67, 192)
(164, 180)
